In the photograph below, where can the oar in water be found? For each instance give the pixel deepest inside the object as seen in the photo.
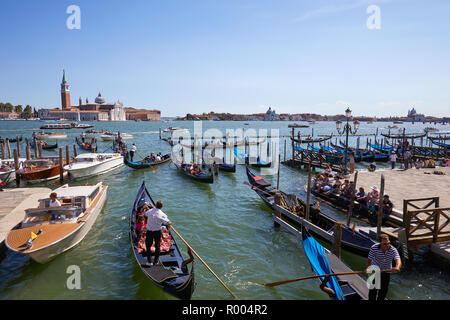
(142, 158)
(204, 263)
(273, 284)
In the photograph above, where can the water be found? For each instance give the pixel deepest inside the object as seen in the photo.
(227, 224)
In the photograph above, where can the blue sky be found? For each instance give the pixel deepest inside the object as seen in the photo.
(231, 56)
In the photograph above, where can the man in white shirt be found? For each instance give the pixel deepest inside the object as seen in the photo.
(393, 158)
(155, 220)
(132, 151)
(53, 201)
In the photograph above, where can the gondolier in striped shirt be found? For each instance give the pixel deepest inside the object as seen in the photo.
(382, 254)
(155, 220)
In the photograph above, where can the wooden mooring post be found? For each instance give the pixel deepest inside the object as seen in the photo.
(352, 199)
(337, 240)
(18, 146)
(61, 165)
(380, 208)
(67, 155)
(75, 150)
(28, 151)
(9, 149)
(16, 166)
(308, 191)
(3, 150)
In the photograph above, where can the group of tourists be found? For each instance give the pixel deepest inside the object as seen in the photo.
(327, 184)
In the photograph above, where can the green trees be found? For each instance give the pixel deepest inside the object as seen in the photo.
(26, 113)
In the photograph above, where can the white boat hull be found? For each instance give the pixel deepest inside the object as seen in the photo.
(47, 253)
(55, 137)
(96, 169)
(8, 176)
(112, 138)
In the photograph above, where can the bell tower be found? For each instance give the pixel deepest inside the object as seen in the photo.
(65, 93)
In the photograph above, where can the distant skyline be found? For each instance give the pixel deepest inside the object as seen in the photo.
(240, 57)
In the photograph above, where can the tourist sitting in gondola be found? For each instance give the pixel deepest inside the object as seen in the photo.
(140, 225)
(372, 197)
(361, 197)
(344, 186)
(419, 164)
(349, 191)
(158, 157)
(386, 205)
(335, 188)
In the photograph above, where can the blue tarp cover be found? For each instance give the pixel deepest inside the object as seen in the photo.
(319, 264)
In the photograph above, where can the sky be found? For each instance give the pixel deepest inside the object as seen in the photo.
(310, 56)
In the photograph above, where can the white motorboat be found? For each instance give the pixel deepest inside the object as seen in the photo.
(91, 164)
(51, 136)
(113, 136)
(8, 170)
(48, 231)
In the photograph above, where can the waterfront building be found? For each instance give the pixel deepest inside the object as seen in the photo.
(414, 116)
(271, 115)
(100, 110)
(142, 114)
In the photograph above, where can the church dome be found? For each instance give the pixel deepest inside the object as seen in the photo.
(99, 99)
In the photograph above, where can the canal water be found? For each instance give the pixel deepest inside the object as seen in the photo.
(227, 224)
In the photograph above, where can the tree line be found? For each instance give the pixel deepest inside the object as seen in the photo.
(27, 112)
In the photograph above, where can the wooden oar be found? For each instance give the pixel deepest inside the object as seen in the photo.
(142, 158)
(204, 263)
(256, 188)
(273, 284)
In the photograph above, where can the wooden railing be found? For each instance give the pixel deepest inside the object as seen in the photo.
(425, 224)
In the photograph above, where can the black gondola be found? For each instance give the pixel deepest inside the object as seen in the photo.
(254, 162)
(201, 177)
(143, 164)
(45, 145)
(352, 241)
(86, 145)
(170, 274)
(322, 261)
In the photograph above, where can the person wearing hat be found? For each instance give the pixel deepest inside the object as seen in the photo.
(372, 198)
(387, 206)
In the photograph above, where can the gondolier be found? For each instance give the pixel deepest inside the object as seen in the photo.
(381, 255)
(132, 151)
(155, 220)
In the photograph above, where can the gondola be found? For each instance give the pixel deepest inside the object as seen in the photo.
(359, 211)
(45, 145)
(404, 136)
(201, 177)
(311, 140)
(86, 145)
(352, 241)
(227, 167)
(439, 143)
(143, 164)
(170, 275)
(366, 156)
(322, 261)
(254, 162)
(10, 140)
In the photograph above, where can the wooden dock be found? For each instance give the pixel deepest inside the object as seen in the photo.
(13, 203)
(421, 203)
